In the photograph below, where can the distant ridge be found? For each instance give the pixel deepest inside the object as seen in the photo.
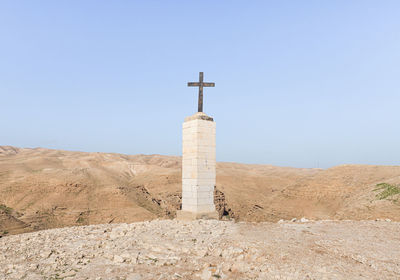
(8, 150)
(54, 188)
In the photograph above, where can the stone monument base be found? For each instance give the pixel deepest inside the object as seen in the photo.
(190, 216)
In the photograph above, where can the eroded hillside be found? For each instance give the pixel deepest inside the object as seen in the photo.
(42, 188)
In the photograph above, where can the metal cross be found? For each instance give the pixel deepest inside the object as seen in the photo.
(200, 84)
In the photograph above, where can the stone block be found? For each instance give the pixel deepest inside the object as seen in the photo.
(199, 182)
(203, 201)
(189, 207)
(205, 208)
(198, 164)
(204, 194)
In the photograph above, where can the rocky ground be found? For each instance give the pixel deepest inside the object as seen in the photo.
(170, 249)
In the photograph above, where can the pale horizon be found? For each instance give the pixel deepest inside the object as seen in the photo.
(309, 85)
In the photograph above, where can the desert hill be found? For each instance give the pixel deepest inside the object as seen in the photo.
(43, 188)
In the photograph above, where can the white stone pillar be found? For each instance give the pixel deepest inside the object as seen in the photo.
(198, 168)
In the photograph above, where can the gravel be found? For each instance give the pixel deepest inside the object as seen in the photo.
(206, 249)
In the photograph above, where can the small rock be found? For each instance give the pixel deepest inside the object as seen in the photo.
(206, 274)
(293, 220)
(201, 252)
(118, 259)
(68, 274)
(126, 256)
(388, 220)
(109, 270)
(134, 276)
(303, 220)
(114, 235)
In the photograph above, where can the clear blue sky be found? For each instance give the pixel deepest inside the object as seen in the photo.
(298, 83)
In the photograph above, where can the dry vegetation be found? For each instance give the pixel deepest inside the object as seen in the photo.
(42, 188)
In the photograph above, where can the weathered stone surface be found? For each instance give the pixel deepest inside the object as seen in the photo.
(206, 249)
(198, 166)
(199, 116)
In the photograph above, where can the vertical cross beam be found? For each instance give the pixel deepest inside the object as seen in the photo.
(200, 107)
(200, 84)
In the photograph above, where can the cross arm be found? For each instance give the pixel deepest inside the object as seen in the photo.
(193, 84)
(208, 84)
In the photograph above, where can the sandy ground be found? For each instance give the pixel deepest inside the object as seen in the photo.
(45, 188)
(170, 249)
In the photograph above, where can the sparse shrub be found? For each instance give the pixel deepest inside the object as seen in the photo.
(386, 190)
(6, 209)
(80, 220)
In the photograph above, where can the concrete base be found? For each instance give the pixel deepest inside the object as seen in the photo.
(190, 216)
